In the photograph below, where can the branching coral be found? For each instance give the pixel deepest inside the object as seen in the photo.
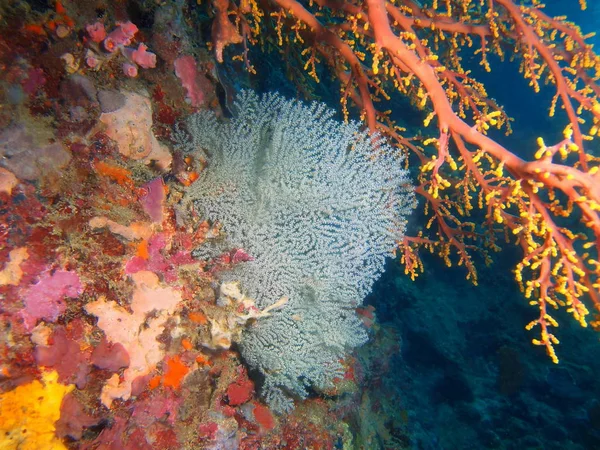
(317, 205)
(380, 49)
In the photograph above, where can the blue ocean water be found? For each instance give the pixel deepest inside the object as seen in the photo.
(466, 374)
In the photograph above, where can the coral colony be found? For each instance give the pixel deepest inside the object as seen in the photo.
(204, 206)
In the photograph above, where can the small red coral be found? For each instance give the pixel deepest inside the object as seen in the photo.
(239, 393)
(264, 417)
(208, 430)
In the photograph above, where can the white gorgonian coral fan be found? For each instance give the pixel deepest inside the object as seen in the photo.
(319, 205)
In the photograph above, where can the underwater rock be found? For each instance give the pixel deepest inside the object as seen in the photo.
(25, 160)
(110, 101)
(78, 90)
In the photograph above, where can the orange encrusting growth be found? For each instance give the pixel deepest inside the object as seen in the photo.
(198, 317)
(175, 372)
(119, 174)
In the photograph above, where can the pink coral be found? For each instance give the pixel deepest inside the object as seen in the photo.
(12, 272)
(8, 181)
(91, 59)
(96, 31)
(120, 36)
(131, 127)
(143, 58)
(45, 300)
(130, 70)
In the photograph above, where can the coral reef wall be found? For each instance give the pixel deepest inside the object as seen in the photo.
(318, 205)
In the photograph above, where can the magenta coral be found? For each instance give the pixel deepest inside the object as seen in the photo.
(73, 418)
(159, 406)
(187, 72)
(157, 262)
(153, 199)
(208, 430)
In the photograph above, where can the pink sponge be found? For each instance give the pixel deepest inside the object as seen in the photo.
(187, 72)
(45, 300)
(110, 356)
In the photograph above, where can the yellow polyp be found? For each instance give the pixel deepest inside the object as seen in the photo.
(530, 325)
(568, 132)
(550, 319)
